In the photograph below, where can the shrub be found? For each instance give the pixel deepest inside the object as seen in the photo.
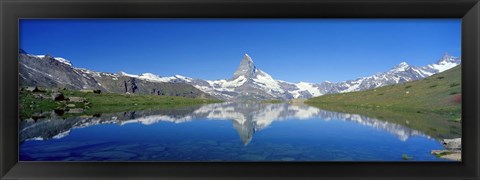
(406, 87)
(454, 92)
(406, 157)
(454, 84)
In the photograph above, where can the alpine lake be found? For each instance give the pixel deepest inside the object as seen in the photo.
(228, 131)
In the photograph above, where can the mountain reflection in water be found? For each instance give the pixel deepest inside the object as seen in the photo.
(247, 119)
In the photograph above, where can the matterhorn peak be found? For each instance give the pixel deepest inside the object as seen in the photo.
(246, 57)
(246, 68)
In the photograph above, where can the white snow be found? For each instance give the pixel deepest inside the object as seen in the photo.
(129, 75)
(153, 77)
(266, 81)
(443, 66)
(304, 86)
(149, 77)
(352, 88)
(295, 94)
(400, 67)
(183, 78)
(157, 78)
(426, 73)
(421, 72)
(229, 84)
(59, 59)
(64, 61)
(86, 71)
(222, 86)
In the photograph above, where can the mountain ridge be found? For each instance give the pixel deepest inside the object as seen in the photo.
(55, 72)
(248, 81)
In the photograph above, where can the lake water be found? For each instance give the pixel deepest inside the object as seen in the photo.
(223, 132)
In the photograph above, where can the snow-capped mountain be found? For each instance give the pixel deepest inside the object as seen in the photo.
(247, 83)
(53, 72)
(401, 73)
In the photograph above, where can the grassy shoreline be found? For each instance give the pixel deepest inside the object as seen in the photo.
(31, 103)
(429, 105)
(273, 101)
(435, 125)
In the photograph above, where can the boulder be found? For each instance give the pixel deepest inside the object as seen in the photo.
(87, 90)
(76, 111)
(76, 99)
(58, 96)
(453, 144)
(33, 89)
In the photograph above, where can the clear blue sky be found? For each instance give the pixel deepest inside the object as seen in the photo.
(310, 50)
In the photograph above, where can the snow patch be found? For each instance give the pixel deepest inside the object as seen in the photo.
(59, 59)
(149, 77)
(443, 66)
(304, 86)
(183, 78)
(267, 82)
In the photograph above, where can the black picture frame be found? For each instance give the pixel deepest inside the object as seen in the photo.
(467, 10)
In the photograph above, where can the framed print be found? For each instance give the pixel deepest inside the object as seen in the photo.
(215, 89)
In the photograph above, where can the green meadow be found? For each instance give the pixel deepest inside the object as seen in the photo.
(431, 105)
(32, 103)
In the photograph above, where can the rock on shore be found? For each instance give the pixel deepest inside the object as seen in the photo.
(453, 150)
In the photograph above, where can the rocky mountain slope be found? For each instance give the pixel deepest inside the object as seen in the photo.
(248, 82)
(53, 72)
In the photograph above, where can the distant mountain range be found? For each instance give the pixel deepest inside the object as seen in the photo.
(248, 81)
(56, 72)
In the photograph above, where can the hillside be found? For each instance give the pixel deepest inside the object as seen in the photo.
(39, 104)
(54, 72)
(431, 104)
